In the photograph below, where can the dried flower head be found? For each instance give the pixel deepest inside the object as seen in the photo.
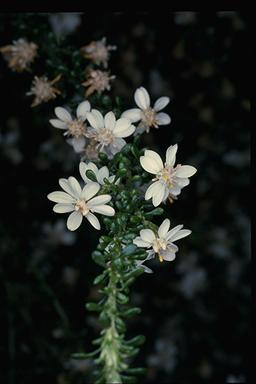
(91, 151)
(98, 52)
(43, 90)
(98, 81)
(20, 54)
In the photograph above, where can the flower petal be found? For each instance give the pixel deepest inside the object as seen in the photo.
(133, 114)
(154, 155)
(161, 103)
(110, 121)
(142, 98)
(164, 228)
(74, 220)
(93, 220)
(75, 185)
(150, 164)
(78, 143)
(83, 167)
(182, 182)
(147, 235)
(168, 255)
(185, 171)
(63, 208)
(162, 118)
(171, 155)
(102, 174)
(103, 210)
(63, 114)
(158, 196)
(58, 123)
(95, 118)
(141, 243)
(173, 231)
(66, 186)
(180, 234)
(90, 190)
(152, 189)
(82, 110)
(123, 128)
(99, 200)
(60, 197)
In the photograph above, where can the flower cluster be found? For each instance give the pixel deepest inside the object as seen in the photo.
(82, 202)
(20, 55)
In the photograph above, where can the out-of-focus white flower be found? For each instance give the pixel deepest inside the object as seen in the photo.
(100, 174)
(20, 54)
(97, 81)
(76, 128)
(147, 116)
(64, 23)
(169, 180)
(98, 52)
(162, 243)
(81, 202)
(43, 90)
(108, 131)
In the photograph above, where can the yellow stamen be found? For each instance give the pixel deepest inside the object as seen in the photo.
(161, 259)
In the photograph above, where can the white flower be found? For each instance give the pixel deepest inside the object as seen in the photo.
(148, 117)
(98, 52)
(100, 174)
(108, 131)
(169, 180)
(80, 202)
(162, 243)
(76, 128)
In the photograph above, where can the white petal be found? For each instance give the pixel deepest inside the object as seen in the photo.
(142, 98)
(171, 155)
(175, 190)
(110, 121)
(158, 196)
(66, 186)
(161, 103)
(153, 155)
(58, 123)
(164, 228)
(83, 167)
(182, 182)
(75, 185)
(102, 174)
(185, 171)
(152, 190)
(90, 190)
(173, 231)
(141, 243)
(78, 143)
(99, 200)
(95, 118)
(123, 128)
(63, 208)
(147, 235)
(60, 197)
(133, 114)
(146, 269)
(150, 164)
(168, 255)
(162, 118)
(103, 210)
(82, 110)
(74, 220)
(63, 114)
(93, 220)
(180, 234)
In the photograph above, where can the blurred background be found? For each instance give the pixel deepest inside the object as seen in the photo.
(195, 310)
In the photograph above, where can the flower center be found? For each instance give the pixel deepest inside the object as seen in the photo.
(159, 245)
(82, 207)
(149, 117)
(77, 128)
(166, 175)
(104, 137)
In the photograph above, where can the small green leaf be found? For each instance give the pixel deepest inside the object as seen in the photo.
(91, 175)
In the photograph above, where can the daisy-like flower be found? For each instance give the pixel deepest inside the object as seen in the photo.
(147, 116)
(81, 202)
(97, 81)
(100, 174)
(74, 128)
(169, 179)
(98, 52)
(108, 131)
(43, 90)
(20, 54)
(161, 244)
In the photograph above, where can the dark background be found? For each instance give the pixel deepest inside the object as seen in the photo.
(195, 310)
